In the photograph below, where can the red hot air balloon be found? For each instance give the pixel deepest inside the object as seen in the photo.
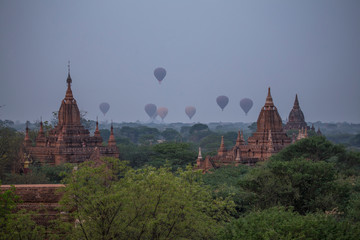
(190, 111)
(246, 104)
(104, 107)
(150, 109)
(222, 101)
(162, 112)
(160, 73)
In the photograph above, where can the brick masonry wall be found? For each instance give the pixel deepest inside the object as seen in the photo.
(40, 198)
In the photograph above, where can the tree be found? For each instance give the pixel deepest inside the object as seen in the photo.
(305, 185)
(199, 127)
(224, 183)
(110, 201)
(137, 156)
(38, 174)
(10, 146)
(178, 155)
(282, 223)
(211, 143)
(317, 148)
(253, 127)
(170, 135)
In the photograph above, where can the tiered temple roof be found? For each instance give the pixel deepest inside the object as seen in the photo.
(268, 139)
(296, 117)
(69, 141)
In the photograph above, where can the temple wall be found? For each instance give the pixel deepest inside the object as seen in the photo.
(41, 198)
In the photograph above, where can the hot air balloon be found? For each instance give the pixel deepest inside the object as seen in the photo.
(150, 109)
(222, 101)
(246, 104)
(190, 111)
(162, 112)
(160, 73)
(104, 107)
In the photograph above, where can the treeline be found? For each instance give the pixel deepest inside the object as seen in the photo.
(310, 190)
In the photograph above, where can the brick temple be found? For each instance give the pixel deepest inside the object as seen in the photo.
(69, 141)
(296, 118)
(268, 139)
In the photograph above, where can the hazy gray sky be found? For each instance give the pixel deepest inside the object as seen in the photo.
(209, 48)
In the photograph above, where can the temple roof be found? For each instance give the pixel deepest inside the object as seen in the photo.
(269, 118)
(269, 101)
(69, 113)
(296, 118)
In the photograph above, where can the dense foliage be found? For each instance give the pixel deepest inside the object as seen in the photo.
(282, 223)
(111, 201)
(309, 190)
(10, 144)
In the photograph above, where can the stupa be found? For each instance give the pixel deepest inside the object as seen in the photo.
(69, 141)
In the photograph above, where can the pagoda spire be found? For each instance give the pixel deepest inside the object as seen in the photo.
(319, 132)
(296, 103)
(97, 132)
(222, 149)
(41, 131)
(27, 131)
(238, 140)
(27, 139)
(111, 141)
(40, 139)
(69, 95)
(269, 101)
(199, 155)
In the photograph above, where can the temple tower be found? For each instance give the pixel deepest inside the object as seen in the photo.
(269, 134)
(69, 141)
(296, 118)
(268, 139)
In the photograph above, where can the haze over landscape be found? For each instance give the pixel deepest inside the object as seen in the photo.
(209, 48)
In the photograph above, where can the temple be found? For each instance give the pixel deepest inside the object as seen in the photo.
(296, 118)
(69, 141)
(268, 139)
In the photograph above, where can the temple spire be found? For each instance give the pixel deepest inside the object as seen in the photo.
(27, 139)
(27, 131)
(296, 103)
(238, 140)
(269, 101)
(41, 131)
(97, 132)
(69, 80)
(319, 132)
(111, 141)
(69, 95)
(222, 149)
(199, 155)
(222, 142)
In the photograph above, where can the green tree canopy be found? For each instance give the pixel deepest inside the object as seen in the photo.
(111, 201)
(279, 223)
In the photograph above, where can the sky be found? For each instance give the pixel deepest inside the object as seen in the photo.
(208, 48)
